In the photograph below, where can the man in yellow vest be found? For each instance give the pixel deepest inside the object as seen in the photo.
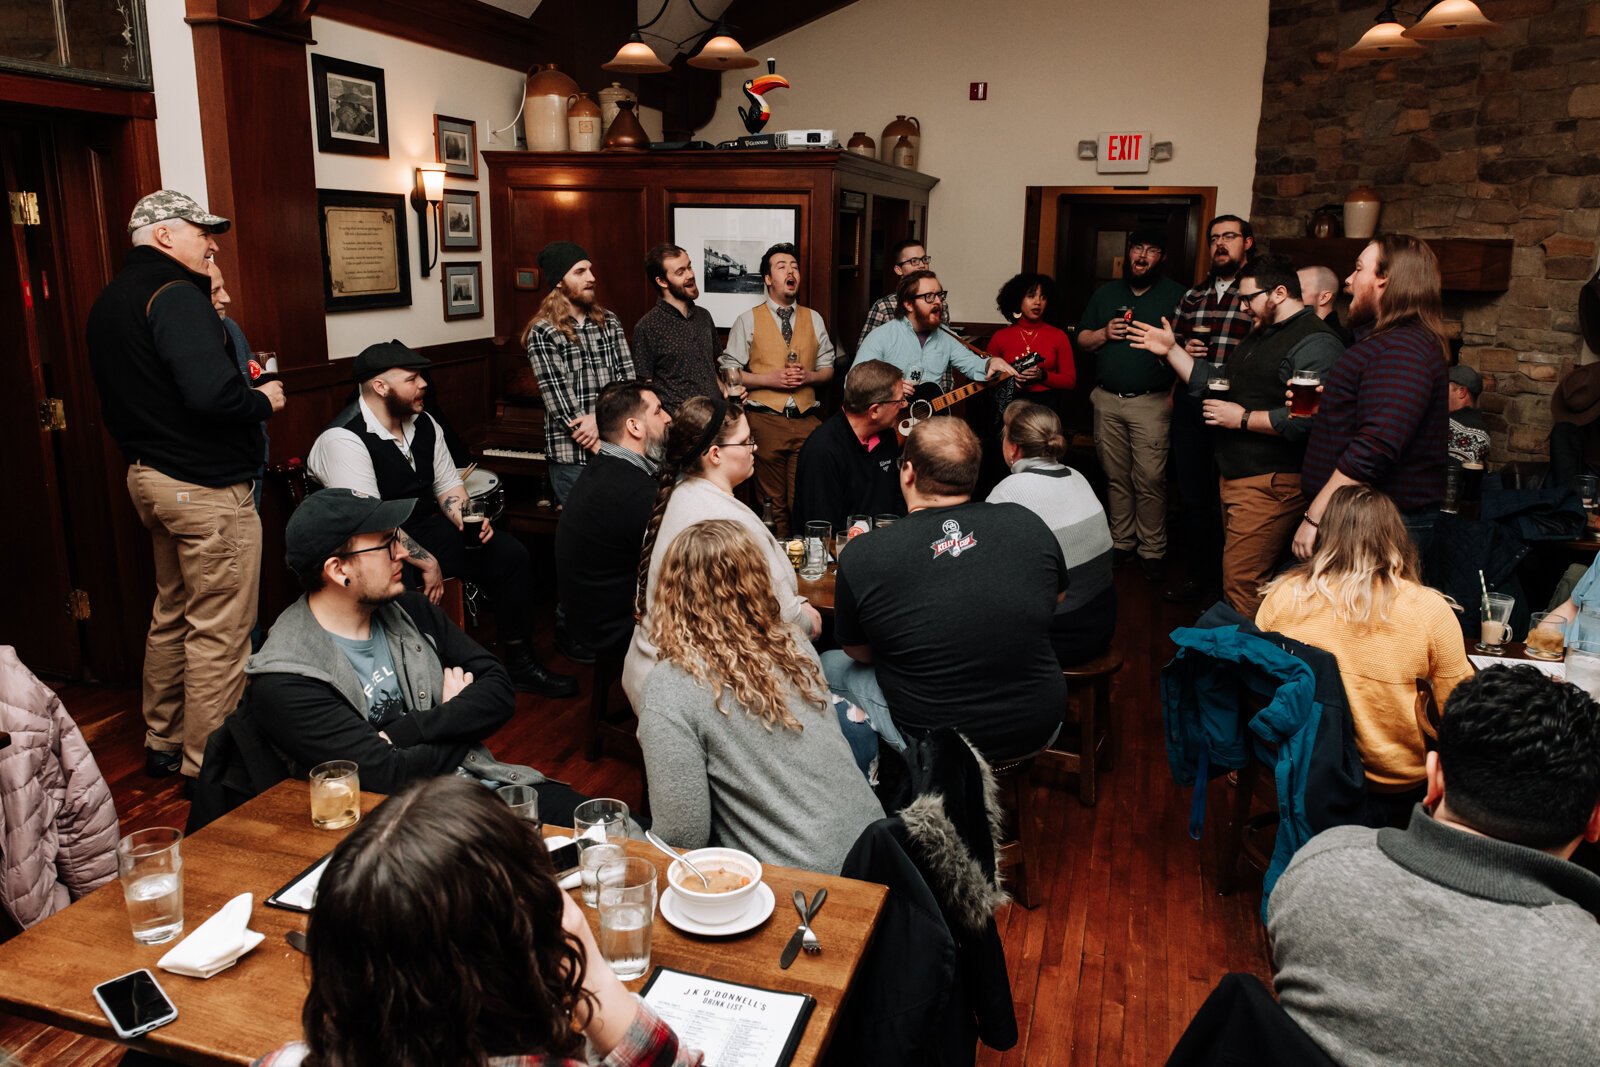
(783, 352)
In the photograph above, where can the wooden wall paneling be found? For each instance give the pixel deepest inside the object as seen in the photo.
(607, 218)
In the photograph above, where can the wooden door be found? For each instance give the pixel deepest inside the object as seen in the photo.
(36, 612)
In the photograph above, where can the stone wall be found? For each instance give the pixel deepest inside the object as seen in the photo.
(1484, 137)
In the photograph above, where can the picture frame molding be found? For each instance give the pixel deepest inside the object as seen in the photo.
(472, 269)
(322, 66)
(468, 170)
(460, 244)
(395, 203)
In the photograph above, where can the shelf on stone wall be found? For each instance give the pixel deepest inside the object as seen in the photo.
(1467, 264)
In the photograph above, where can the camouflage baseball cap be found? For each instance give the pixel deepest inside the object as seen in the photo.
(167, 204)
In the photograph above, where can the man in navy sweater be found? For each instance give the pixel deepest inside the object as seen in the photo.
(190, 428)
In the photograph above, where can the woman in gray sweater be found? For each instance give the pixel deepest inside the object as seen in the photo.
(741, 743)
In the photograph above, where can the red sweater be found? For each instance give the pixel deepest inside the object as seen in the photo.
(1011, 343)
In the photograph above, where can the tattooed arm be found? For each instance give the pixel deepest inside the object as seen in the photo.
(424, 561)
(452, 502)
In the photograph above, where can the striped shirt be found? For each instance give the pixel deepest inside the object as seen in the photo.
(1384, 419)
(571, 376)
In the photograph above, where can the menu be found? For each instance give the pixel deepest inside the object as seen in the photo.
(300, 894)
(734, 1025)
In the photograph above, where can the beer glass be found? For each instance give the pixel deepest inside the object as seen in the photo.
(818, 536)
(1303, 396)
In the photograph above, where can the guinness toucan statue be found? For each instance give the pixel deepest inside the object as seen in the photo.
(756, 115)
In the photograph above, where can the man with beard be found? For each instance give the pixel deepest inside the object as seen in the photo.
(905, 257)
(1132, 411)
(1384, 418)
(576, 348)
(915, 344)
(602, 525)
(386, 446)
(1259, 448)
(1211, 322)
(675, 343)
(849, 467)
(1319, 289)
(783, 352)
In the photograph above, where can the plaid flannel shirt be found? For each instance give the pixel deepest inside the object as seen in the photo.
(572, 375)
(1225, 314)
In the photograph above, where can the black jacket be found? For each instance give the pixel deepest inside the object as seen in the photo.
(836, 477)
(597, 549)
(170, 390)
(1240, 1025)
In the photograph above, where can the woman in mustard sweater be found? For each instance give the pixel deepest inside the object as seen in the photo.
(1361, 598)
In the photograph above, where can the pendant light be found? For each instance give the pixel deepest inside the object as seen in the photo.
(720, 52)
(636, 57)
(1385, 40)
(1452, 18)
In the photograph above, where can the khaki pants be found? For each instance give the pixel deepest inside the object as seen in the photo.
(778, 442)
(208, 567)
(1259, 516)
(1130, 437)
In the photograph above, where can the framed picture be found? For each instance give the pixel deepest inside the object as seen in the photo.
(463, 290)
(458, 222)
(365, 261)
(725, 243)
(352, 109)
(455, 144)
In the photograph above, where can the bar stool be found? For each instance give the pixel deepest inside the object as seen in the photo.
(600, 725)
(1019, 851)
(1097, 746)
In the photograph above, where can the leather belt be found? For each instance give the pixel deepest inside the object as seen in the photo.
(1140, 392)
(786, 413)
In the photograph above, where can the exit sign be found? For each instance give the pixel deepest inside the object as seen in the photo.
(1123, 152)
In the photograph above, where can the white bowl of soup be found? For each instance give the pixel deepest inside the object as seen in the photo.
(734, 878)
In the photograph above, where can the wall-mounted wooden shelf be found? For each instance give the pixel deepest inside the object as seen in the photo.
(1467, 264)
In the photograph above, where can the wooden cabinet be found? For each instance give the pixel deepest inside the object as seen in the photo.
(618, 205)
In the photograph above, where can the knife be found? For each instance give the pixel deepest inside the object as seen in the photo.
(792, 949)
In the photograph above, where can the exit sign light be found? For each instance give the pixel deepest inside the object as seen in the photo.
(1123, 152)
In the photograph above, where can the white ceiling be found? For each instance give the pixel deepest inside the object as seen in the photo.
(677, 24)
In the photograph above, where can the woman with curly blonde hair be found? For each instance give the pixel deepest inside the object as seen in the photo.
(1361, 597)
(741, 742)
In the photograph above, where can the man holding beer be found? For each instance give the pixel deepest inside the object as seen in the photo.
(1259, 445)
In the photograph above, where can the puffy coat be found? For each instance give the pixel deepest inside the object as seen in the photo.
(58, 827)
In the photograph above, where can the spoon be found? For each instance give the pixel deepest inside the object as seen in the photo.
(651, 837)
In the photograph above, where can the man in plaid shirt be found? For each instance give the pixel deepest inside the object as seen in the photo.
(1384, 418)
(1212, 305)
(576, 348)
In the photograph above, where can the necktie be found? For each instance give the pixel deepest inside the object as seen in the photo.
(786, 319)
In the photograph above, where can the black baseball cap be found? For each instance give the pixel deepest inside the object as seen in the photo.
(387, 355)
(1148, 236)
(326, 519)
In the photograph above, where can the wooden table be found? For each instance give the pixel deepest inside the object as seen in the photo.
(819, 591)
(253, 1007)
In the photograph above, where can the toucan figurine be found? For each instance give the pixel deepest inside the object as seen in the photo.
(756, 115)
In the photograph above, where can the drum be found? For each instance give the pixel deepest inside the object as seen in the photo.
(486, 491)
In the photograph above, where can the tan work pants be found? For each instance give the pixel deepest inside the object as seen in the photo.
(778, 442)
(208, 568)
(1130, 437)
(1259, 516)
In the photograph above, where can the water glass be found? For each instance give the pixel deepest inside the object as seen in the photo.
(818, 536)
(856, 525)
(1583, 666)
(1495, 628)
(1588, 489)
(335, 794)
(523, 801)
(150, 864)
(600, 820)
(627, 914)
(590, 862)
(881, 522)
(1547, 636)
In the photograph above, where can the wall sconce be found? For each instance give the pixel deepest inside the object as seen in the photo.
(428, 192)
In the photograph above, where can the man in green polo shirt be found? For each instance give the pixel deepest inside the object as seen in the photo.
(1132, 411)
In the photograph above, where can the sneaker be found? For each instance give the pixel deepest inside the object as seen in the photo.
(158, 764)
(1155, 570)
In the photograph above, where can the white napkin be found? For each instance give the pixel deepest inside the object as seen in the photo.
(217, 943)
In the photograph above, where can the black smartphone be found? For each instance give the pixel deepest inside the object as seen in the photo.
(135, 1003)
(565, 859)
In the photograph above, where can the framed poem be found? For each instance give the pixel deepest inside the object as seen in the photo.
(459, 228)
(352, 107)
(455, 144)
(463, 290)
(725, 243)
(365, 260)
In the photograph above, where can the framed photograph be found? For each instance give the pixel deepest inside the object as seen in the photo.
(352, 109)
(455, 144)
(463, 290)
(365, 261)
(725, 243)
(458, 222)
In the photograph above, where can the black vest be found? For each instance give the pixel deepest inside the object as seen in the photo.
(1255, 370)
(397, 480)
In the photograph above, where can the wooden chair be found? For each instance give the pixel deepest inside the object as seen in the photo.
(1428, 715)
(1245, 836)
(1096, 745)
(602, 724)
(1020, 851)
(451, 603)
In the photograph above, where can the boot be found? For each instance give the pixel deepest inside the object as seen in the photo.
(531, 676)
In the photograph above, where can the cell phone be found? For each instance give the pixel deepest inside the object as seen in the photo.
(135, 1003)
(565, 859)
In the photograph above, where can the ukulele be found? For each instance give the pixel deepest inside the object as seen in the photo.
(938, 402)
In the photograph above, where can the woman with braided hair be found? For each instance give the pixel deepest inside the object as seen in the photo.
(709, 452)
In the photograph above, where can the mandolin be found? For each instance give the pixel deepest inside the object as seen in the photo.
(941, 401)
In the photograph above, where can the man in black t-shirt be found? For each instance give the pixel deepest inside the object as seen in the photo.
(944, 617)
(848, 466)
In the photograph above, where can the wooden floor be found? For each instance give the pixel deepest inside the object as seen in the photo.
(1129, 939)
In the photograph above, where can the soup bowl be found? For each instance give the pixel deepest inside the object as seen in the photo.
(714, 908)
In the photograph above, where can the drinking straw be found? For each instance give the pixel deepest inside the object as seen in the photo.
(1485, 586)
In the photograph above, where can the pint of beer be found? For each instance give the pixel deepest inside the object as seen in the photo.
(1203, 335)
(1303, 398)
(1218, 385)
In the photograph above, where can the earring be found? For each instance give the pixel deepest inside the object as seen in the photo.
(1016, 314)
(347, 581)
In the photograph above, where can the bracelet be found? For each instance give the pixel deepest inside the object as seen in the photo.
(1244, 420)
(1306, 518)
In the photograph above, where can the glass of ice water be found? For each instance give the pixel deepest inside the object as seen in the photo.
(335, 795)
(819, 535)
(589, 863)
(523, 801)
(150, 864)
(627, 914)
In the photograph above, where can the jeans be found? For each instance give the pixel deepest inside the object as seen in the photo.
(1419, 524)
(858, 683)
(563, 476)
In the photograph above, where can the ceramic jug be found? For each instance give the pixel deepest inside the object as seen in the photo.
(862, 145)
(544, 115)
(626, 133)
(911, 130)
(583, 124)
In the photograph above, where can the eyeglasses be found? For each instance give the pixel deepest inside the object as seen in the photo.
(751, 445)
(1218, 238)
(387, 546)
(920, 262)
(1249, 298)
(1143, 250)
(897, 401)
(933, 298)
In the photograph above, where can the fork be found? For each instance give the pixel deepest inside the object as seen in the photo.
(809, 940)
